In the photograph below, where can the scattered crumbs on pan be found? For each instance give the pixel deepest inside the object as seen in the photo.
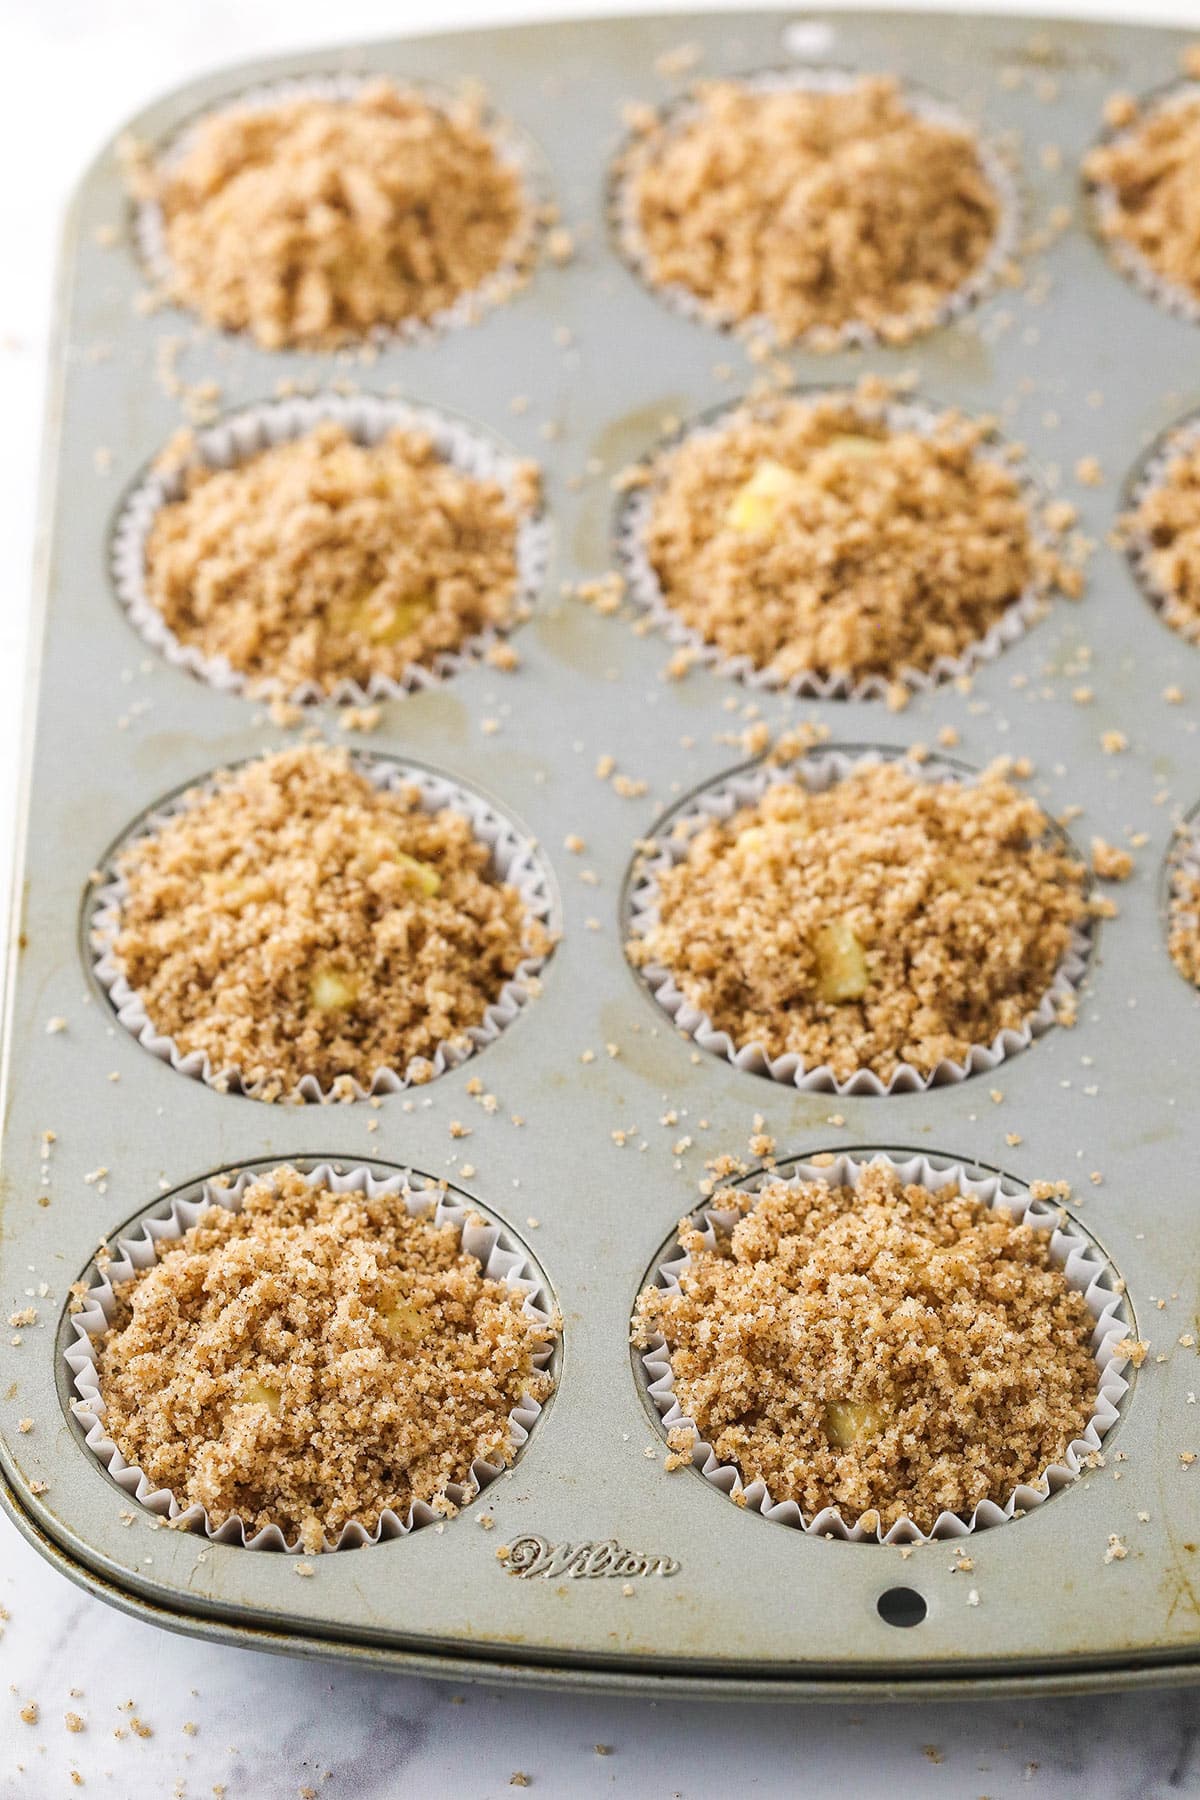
(1110, 862)
(680, 60)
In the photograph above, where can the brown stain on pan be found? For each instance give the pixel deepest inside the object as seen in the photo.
(623, 440)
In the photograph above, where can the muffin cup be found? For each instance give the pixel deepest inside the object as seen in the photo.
(239, 436)
(1172, 296)
(1002, 252)
(818, 773)
(511, 148)
(486, 1241)
(645, 590)
(1178, 440)
(1086, 1270)
(514, 860)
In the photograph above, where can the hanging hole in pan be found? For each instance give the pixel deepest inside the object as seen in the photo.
(901, 1606)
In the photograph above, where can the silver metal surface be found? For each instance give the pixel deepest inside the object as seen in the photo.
(753, 1607)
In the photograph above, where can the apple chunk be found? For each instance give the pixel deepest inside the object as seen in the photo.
(333, 990)
(842, 972)
(848, 1421)
(755, 506)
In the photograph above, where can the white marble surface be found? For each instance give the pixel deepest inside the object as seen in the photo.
(270, 1728)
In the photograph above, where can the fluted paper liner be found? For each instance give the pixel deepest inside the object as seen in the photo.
(854, 332)
(719, 802)
(510, 145)
(514, 860)
(368, 418)
(1172, 296)
(1085, 1270)
(1178, 440)
(488, 1242)
(644, 589)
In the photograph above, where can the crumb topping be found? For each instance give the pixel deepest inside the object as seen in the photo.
(809, 537)
(811, 210)
(1183, 939)
(876, 1348)
(1165, 525)
(887, 920)
(316, 1358)
(310, 222)
(296, 920)
(324, 560)
(1150, 173)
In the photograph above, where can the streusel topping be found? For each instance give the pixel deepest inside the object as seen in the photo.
(314, 1359)
(295, 920)
(809, 537)
(887, 920)
(322, 559)
(1184, 923)
(1149, 171)
(310, 222)
(813, 211)
(882, 1348)
(1165, 526)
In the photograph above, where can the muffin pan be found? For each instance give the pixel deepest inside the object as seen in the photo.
(620, 1575)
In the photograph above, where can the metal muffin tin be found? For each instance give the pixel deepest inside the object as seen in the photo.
(719, 1601)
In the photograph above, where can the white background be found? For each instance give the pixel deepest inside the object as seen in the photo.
(73, 70)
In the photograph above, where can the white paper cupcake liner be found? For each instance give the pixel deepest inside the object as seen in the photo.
(368, 418)
(1172, 296)
(514, 860)
(1178, 440)
(644, 589)
(817, 773)
(680, 299)
(511, 148)
(1086, 1271)
(488, 1242)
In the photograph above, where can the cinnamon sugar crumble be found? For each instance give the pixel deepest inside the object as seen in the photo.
(812, 211)
(887, 920)
(316, 1358)
(1149, 173)
(1183, 938)
(324, 560)
(313, 221)
(1163, 530)
(882, 1348)
(296, 920)
(1110, 862)
(809, 536)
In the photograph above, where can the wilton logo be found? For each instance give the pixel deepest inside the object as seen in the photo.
(530, 1556)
